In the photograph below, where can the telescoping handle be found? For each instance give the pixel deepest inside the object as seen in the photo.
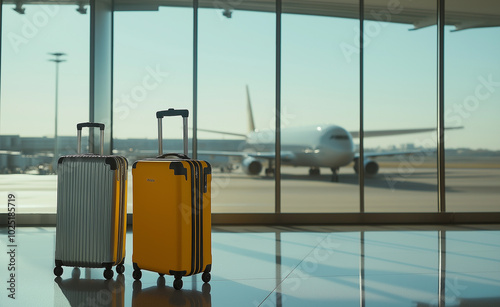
(89, 125)
(172, 112)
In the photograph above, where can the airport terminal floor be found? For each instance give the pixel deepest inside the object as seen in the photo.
(280, 266)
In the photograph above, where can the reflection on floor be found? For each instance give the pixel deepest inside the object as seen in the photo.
(281, 266)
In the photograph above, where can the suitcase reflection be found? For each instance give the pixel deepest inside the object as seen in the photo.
(162, 295)
(85, 292)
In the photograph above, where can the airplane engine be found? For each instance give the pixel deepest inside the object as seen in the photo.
(251, 166)
(371, 167)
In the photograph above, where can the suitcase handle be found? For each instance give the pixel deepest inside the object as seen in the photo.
(181, 156)
(172, 112)
(89, 125)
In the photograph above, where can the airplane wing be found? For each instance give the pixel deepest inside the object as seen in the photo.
(285, 155)
(224, 132)
(372, 133)
(396, 153)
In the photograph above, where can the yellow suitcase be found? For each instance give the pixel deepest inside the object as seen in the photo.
(172, 212)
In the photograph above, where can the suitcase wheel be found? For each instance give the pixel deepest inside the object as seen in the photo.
(120, 269)
(206, 277)
(108, 273)
(58, 271)
(160, 282)
(137, 274)
(178, 283)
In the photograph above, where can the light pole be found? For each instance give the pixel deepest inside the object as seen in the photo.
(57, 60)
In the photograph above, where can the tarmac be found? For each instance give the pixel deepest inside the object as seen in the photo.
(396, 189)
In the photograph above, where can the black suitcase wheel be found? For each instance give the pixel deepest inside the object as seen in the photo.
(137, 274)
(108, 273)
(178, 284)
(206, 277)
(58, 271)
(120, 269)
(160, 282)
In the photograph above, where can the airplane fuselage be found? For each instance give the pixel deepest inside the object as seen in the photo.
(313, 146)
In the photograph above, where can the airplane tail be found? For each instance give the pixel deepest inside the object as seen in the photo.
(251, 123)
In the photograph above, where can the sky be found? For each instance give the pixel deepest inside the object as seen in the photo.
(320, 74)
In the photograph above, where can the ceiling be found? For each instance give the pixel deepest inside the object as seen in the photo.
(462, 14)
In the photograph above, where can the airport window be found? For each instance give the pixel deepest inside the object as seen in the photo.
(472, 95)
(45, 62)
(320, 110)
(153, 54)
(236, 97)
(400, 100)
(38, 41)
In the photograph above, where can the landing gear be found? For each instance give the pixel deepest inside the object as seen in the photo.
(269, 171)
(356, 166)
(227, 168)
(314, 171)
(335, 174)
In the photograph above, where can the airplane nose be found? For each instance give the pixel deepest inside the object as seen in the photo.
(335, 156)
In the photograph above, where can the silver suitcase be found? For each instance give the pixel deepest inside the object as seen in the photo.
(91, 210)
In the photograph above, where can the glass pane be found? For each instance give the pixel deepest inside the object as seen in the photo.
(30, 91)
(153, 55)
(320, 109)
(400, 94)
(472, 101)
(237, 69)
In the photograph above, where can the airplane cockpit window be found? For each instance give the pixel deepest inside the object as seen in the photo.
(339, 137)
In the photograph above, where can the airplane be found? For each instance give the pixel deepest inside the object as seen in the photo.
(314, 146)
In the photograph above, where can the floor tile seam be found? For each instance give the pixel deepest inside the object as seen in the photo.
(278, 285)
(472, 271)
(240, 279)
(402, 274)
(357, 275)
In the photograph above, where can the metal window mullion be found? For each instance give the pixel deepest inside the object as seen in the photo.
(440, 106)
(1, 21)
(277, 172)
(361, 162)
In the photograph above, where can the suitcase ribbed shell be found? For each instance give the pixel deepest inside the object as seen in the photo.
(89, 229)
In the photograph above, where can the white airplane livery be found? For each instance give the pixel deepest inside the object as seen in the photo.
(311, 146)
